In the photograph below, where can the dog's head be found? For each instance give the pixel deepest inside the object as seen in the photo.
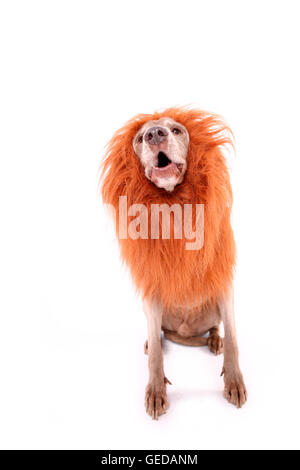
(162, 147)
(165, 156)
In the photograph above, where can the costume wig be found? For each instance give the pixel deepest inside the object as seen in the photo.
(162, 269)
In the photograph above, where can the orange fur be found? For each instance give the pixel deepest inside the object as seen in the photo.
(164, 269)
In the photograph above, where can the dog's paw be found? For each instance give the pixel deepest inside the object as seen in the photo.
(156, 401)
(215, 344)
(235, 390)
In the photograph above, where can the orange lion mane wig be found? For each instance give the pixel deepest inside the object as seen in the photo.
(162, 269)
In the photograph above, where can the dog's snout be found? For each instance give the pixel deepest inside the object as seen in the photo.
(156, 135)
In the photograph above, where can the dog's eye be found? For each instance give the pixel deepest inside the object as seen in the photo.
(176, 131)
(140, 139)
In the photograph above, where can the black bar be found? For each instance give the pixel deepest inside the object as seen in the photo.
(102, 458)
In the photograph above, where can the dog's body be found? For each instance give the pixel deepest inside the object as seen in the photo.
(175, 158)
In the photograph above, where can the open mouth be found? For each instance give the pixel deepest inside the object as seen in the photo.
(163, 160)
(165, 167)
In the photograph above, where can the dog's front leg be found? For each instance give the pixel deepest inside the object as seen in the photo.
(156, 402)
(235, 390)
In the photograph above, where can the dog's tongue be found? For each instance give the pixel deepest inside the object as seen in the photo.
(165, 172)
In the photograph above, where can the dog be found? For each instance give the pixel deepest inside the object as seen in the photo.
(175, 159)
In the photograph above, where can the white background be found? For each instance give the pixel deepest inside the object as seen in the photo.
(72, 368)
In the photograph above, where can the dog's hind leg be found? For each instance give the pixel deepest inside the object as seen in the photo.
(215, 342)
(185, 340)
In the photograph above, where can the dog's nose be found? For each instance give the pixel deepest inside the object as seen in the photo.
(156, 135)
